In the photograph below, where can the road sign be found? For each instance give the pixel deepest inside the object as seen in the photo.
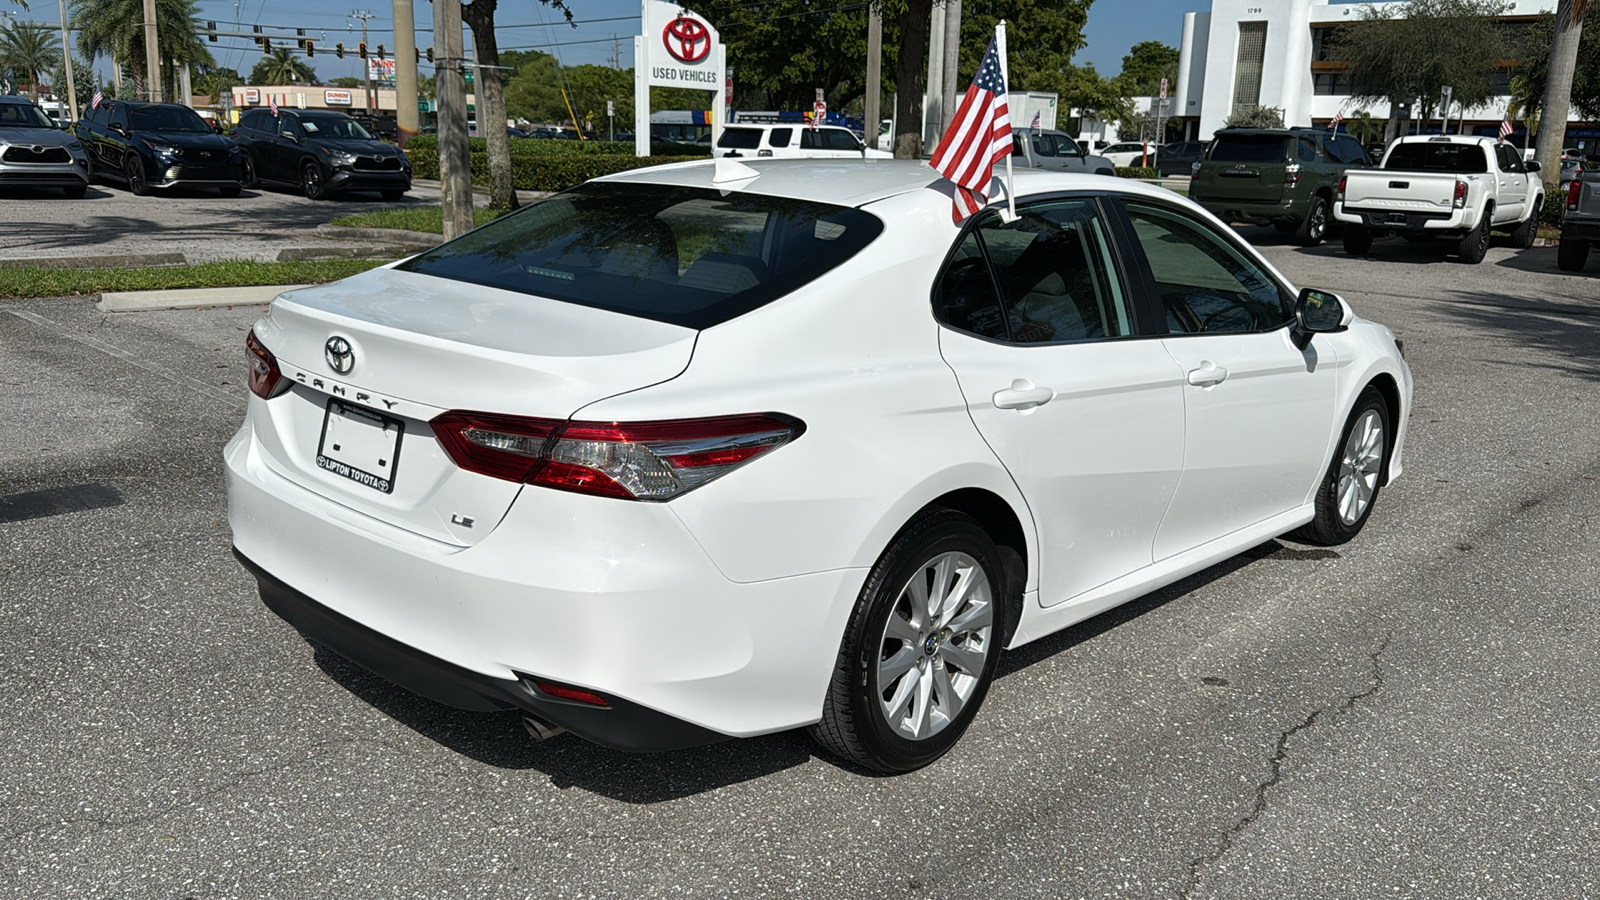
(1163, 89)
(611, 107)
(819, 111)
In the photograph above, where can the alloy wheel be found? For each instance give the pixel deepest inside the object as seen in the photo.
(135, 174)
(311, 181)
(1319, 221)
(939, 635)
(1359, 467)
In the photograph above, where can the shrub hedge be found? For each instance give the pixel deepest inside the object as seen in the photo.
(1555, 203)
(1142, 172)
(539, 147)
(539, 172)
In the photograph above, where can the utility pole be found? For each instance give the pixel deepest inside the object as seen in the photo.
(152, 54)
(366, 64)
(66, 60)
(952, 57)
(874, 74)
(406, 117)
(933, 104)
(455, 175)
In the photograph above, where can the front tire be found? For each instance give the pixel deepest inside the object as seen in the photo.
(1476, 242)
(133, 171)
(1315, 227)
(75, 192)
(1357, 240)
(1350, 487)
(920, 649)
(1572, 254)
(311, 183)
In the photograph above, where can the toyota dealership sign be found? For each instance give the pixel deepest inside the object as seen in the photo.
(677, 48)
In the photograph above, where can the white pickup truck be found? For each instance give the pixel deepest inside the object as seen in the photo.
(1442, 186)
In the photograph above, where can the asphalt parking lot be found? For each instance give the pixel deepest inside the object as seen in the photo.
(1410, 715)
(110, 221)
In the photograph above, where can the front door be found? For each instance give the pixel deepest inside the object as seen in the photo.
(1258, 410)
(1086, 418)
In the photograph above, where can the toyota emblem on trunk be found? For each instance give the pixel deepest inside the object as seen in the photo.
(339, 355)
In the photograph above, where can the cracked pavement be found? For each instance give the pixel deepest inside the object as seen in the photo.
(1410, 715)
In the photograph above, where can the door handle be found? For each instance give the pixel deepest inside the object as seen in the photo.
(1207, 375)
(1023, 395)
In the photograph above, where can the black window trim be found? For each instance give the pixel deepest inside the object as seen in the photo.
(1117, 235)
(1152, 296)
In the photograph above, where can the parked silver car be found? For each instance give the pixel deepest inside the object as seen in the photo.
(35, 153)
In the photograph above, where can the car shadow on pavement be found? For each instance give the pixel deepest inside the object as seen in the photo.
(499, 740)
(1543, 261)
(1559, 335)
(20, 193)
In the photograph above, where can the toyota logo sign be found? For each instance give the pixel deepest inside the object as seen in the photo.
(687, 39)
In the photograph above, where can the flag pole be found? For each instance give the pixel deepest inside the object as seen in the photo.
(1005, 75)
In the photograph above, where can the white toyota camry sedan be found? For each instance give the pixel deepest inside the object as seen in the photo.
(723, 449)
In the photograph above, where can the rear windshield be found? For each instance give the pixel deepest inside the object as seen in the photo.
(685, 256)
(1249, 148)
(740, 138)
(1465, 159)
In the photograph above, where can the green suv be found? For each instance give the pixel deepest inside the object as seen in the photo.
(1286, 176)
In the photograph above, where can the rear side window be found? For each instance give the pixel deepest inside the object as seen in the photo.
(1426, 156)
(1308, 150)
(684, 256)
(839, 139)
(780, 137)
(1351, 152)
(1248, 148)
(740, 138)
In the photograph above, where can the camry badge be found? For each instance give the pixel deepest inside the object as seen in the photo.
(341, 358)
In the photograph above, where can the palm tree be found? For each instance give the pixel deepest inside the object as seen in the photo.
(28, 49)
(282, 67)
(1558, 86)
(115, 28)
(1524, 105)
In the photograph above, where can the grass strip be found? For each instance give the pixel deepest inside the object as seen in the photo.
(425, 218)
(26, 282)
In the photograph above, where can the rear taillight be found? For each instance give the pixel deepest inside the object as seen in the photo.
(266, 381)
(1291, 173)
(626, 460)
(1339, 195)
(1461, 194)
(1574, 189)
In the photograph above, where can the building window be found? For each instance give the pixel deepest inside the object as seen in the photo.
(1338, 83)
(1500, 83)
(1323, 39)
(1247, 68)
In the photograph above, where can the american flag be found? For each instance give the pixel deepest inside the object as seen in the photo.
(95, 101)
(1505, 127)
(1334, 124)
(272, 103)
(979, 136)
(1035, 125)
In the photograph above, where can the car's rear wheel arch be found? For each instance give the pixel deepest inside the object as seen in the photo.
(996, 517)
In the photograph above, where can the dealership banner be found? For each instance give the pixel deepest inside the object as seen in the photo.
(678, 48)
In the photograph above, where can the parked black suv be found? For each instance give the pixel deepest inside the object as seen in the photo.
(319, 152)
(157, 145)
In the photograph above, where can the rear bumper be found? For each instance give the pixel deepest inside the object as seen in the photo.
(1248, 211)
(1451, 224)
(605, 595)
(1581, 230)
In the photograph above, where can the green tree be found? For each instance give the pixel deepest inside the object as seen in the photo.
(346, 81)
(1095, 96)
(213, 81)
(1533, 87)
(114, 28)
(1041, 37)
(1430, 44)
(1146, 64)
(281, 66)
(29, 50)
(1365, 128)
(1256, 117)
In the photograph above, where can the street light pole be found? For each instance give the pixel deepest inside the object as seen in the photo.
(66, 60)
(874, 74)
(455, 174)
(406, 117)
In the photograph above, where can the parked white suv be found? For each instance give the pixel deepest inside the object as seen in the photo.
(795, 141)
(1457, 187)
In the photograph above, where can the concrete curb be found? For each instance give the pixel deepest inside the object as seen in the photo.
(110, 261)
(384, 251)
(191, 298)
(479, 190)
(379, 235)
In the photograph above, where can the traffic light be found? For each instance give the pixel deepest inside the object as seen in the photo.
(300, 37)
(211, 32)
(430, 54)
(311, 49)
(419, 53)
(338, 49)
(361, 48)
(380, 51)
(266, 44)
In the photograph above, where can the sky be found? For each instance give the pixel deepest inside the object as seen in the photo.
(1114, 26)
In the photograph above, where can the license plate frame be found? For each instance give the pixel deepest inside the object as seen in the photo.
(373, 440)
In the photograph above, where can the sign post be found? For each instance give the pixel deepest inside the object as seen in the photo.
(611, 121)
(677, 48)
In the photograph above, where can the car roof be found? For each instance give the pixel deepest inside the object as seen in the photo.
(855, 182)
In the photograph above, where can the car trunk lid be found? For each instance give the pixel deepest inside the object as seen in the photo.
(373, 358)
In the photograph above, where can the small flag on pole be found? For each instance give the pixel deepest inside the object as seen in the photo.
(272, 103)
(1505, 127)
(979, 136)
(1035, 125)
(94, 102)
(1337, 118)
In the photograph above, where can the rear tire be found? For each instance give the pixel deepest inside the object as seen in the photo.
(1527, 230)
(1350, 487)
(1475, 244)
(392, 196)
(248, 178)
(1315, 227)
(1357, 240)
(920, 649)
(1572, 254)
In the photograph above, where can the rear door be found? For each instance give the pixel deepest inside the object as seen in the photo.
(1247, 167)
(1086, 417)
(1513, 183)
(1257, 410)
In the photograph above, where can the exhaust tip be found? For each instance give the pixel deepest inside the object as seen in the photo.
(539, 729)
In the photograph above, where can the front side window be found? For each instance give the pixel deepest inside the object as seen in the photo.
(1066, 146)
(1353, 154)
(1207, 285)
(684, 256)
(840, 139)
(1042, 145)
(286, 127)
(1054, 272)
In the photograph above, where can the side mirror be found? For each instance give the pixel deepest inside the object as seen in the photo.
(119, 129)
(1318, 312)
(1531, 165)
